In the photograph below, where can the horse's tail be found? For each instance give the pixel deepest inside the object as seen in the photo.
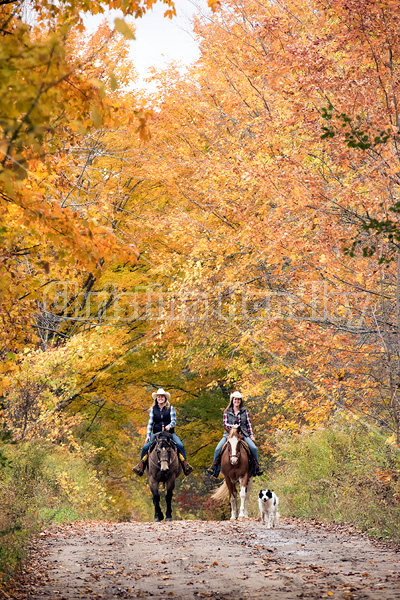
(221, 493)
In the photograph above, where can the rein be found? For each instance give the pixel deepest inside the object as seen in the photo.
(157, 464)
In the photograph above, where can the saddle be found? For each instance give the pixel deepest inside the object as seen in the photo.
(246, 447)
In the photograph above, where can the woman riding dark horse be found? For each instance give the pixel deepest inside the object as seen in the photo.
(236, 416)
(162, 417)
(163, 467)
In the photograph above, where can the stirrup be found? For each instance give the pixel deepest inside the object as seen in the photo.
(187, 469)
(139, 469)
(213, 470)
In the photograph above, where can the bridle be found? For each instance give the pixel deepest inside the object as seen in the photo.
(234, 449)
(163, 450)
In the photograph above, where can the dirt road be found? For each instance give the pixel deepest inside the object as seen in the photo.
(220, 560)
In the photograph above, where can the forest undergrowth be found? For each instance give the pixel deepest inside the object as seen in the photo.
(44, 484)
(344, 472)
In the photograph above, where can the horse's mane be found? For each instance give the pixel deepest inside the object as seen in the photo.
(234, 433)
(164, 435)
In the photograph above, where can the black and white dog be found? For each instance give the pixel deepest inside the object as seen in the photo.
(268, 503)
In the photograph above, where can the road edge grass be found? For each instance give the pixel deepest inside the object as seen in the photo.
(341, 472)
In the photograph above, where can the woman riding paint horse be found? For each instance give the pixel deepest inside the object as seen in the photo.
(162, 417)
(236, 416)
(236, 467)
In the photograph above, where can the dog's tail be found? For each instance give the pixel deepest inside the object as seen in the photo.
(221, 493)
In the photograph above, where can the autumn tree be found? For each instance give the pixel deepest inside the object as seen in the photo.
(278, 165)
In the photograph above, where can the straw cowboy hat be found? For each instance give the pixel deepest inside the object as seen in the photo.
(236, 395)
(161, 392)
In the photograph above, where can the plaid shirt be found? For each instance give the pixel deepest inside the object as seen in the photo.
(151, 420)
(228, 426)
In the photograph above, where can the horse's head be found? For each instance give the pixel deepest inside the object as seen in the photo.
(164, 450)
(234, 446)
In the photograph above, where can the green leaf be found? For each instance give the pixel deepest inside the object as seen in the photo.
(113, 82)
(122, 27)
(96, 116)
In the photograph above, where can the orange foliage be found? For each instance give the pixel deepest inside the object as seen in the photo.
(276, 160)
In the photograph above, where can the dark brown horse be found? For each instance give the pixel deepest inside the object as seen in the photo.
(164, 467)
(235, 467)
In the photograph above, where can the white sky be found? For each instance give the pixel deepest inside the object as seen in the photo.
(160, 40)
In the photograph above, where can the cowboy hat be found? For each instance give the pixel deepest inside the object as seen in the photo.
(160, 392)
(236, 395)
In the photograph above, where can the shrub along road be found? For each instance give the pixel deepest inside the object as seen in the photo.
(198, 559)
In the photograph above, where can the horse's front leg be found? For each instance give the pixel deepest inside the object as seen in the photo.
(168, 498)
(244, 496)
(243, 511)
(234, 506)
(233, 498)
(158, 514)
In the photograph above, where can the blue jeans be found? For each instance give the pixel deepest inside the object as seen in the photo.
(249, 441)
(219, 448)
(177, 441)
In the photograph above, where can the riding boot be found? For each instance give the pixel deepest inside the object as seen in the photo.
(140, 467)
(215, 467)
(257, 469)
(187, 469)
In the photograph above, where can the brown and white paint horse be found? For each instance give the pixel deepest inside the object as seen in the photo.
(235, 467)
